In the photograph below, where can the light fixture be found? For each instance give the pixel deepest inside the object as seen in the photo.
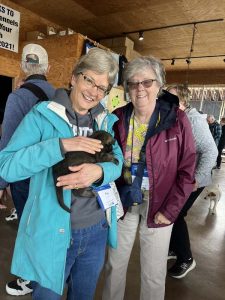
(173, 61)
(188, 61)
(172, 26)
(141, 35)
(194, 57)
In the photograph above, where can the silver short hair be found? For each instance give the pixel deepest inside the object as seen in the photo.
(211, 117)
(139, 64)
(31, 69)
(99, 61)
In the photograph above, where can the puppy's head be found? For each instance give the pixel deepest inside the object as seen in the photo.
(106, 138)
(210, 195)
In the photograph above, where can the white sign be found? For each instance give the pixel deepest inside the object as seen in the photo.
(9, 28)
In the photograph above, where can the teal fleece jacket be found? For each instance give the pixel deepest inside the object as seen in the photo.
(44, 230)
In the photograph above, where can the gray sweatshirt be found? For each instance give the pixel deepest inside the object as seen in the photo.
(206, 149)
(85, 211)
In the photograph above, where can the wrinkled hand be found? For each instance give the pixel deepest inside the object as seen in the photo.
(82, 143)
(161, 219)
(83, 176)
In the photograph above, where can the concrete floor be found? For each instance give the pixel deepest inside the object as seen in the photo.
(205, 282)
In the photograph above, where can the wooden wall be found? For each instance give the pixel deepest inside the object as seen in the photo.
(63, 51)
(197, 77)
(9, 63)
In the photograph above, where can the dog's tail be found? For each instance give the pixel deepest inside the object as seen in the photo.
(59, 193)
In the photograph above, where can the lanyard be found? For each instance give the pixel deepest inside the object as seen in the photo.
(142, 158)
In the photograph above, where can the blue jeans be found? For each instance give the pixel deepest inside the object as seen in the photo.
(20, 190)
(85, 259)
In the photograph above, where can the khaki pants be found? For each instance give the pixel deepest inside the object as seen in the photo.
(154, 244)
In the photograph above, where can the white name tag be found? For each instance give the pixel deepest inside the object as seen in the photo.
(119, 206)
(106, 196)
(145, 181)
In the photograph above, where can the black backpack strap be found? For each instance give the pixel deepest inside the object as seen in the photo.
(36, 90)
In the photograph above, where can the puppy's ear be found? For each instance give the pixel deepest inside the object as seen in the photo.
(211, 194)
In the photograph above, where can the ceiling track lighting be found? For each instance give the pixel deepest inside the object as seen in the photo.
(172, 26)
(193, 57)
(141, 35)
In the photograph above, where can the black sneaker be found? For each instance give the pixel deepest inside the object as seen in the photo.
(181, 269)
(171, 255)
(19, 287)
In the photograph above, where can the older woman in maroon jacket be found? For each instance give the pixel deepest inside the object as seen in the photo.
(167, 177)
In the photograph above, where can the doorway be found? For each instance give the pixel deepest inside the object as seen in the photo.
(5, 90)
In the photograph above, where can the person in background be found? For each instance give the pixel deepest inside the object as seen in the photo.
(167, 182)
(215, 128)
(35, 67)
(180, 248)
(221, 144)
(54, 247)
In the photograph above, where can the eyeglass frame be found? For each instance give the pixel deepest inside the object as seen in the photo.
(136, 84)
(100, 88)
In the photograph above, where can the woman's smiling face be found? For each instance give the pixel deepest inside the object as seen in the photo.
(145, 92)
(88, 90)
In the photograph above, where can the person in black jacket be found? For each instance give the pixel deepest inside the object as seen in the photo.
(215, 128)
(221, 144)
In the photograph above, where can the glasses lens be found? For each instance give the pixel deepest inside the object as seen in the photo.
(102, 91)
(133, 85)
(88, 81)
(145, 83)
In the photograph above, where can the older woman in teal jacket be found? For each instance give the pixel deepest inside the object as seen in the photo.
(54, 246)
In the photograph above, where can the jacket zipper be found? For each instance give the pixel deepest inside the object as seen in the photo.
(153, 180)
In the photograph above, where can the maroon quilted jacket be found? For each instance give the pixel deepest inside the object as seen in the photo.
(170, 157)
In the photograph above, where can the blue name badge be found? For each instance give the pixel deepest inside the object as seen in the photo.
(106, 196)
(145, 181)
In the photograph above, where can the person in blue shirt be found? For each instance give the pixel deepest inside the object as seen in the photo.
(35, 67)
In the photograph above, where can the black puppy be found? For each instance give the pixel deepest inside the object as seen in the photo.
(76, 158)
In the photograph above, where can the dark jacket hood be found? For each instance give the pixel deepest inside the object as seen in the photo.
(166, 104)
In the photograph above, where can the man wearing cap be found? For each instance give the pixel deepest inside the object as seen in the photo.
(34, 65)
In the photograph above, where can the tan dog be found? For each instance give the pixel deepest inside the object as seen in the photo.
(213, 194)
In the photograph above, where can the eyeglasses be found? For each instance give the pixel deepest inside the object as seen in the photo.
(145, 83)
(89, 82)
